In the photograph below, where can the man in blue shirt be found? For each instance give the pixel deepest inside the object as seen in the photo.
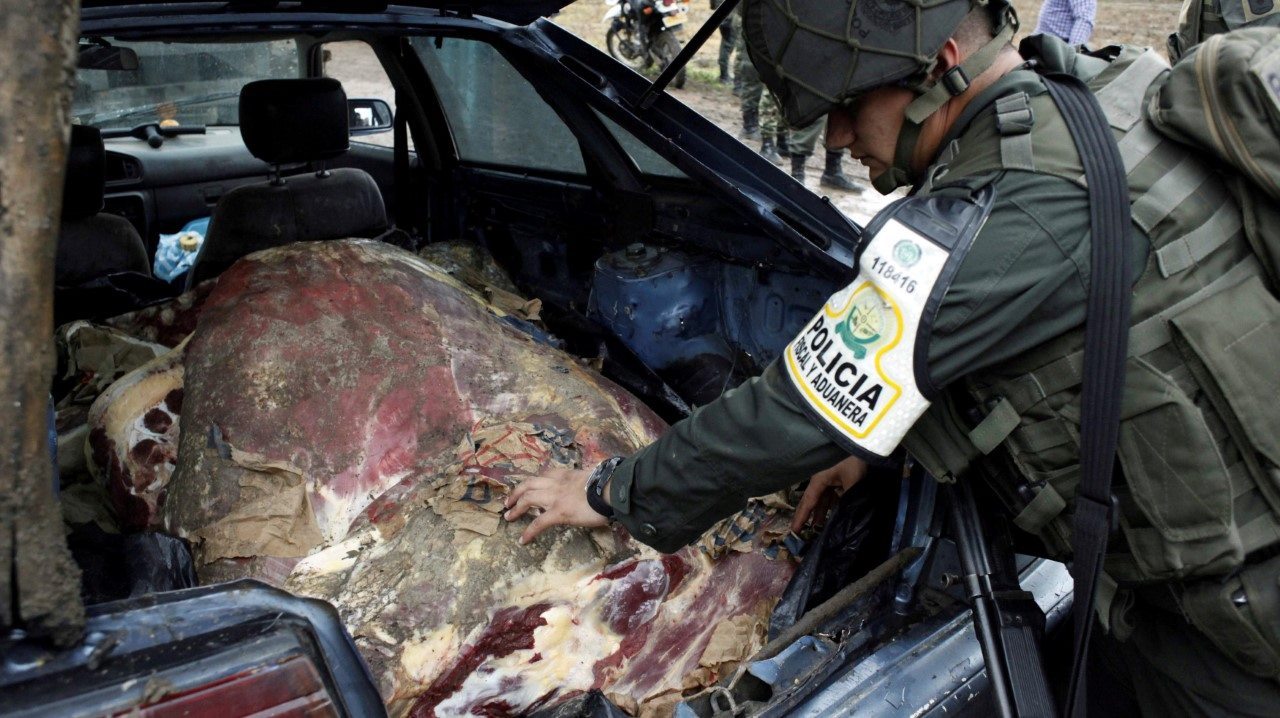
(1070, 20)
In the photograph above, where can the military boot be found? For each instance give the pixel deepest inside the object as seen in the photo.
(834, 177)
(770, 151)
(797, 167)
(750, 124)
(724, 71)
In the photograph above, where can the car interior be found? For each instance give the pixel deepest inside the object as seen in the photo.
(485, 148)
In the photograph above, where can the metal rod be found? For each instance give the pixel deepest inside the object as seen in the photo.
(686, 53)
(829, 609)
(977, 583)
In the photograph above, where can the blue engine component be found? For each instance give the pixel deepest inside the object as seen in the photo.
(701, 324)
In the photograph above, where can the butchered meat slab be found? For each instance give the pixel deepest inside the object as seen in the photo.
(352, 421)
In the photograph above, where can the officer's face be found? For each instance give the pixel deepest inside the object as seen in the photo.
(870, 128)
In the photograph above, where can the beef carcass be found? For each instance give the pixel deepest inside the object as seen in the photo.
(351, 423)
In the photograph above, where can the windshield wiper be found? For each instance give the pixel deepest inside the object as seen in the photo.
(177, 104)
(153, 132)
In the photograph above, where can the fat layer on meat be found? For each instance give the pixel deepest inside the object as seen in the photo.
(352, 419)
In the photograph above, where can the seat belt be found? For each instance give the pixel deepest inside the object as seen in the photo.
(1105, 348)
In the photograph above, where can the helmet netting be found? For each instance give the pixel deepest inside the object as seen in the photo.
(817, 54)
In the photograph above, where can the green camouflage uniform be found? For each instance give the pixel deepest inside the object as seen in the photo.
(728, 41)
(755, 101)
(1019, 292)
(804, 140)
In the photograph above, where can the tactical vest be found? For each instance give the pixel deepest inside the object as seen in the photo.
(1198, 491)
(1200, 19)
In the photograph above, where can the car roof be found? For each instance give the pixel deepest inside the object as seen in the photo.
(518, 12)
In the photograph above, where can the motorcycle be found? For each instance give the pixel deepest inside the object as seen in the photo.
(644, 32)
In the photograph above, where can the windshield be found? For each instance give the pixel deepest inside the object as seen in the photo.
(184, 82)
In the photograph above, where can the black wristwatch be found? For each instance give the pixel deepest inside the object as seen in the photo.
(595, 486)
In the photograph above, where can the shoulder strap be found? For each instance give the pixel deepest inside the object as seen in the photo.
(1106, 343)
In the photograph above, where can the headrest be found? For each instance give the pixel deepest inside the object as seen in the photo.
(86, 173)
(297, 120)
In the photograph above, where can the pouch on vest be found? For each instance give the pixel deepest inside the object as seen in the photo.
(1224, 97)
(1241, 615)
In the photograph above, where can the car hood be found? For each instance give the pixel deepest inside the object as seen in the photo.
(518, 12)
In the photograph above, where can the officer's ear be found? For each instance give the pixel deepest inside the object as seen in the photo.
(949, 56)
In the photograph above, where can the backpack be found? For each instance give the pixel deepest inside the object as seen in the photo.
(1223, 97)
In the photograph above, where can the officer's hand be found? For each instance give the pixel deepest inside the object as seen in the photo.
(825, 488)
(560, 494)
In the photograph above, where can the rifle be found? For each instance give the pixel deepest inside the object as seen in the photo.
(1008, 622)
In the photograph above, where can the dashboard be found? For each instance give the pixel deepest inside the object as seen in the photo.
(162, 188)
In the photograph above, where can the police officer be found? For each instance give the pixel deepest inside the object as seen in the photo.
(961, 338)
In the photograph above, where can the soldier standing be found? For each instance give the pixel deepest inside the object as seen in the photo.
(728, 41)
(759, 108)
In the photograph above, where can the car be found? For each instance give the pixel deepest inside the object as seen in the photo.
(502, 130)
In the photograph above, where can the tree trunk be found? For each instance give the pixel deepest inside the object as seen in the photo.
(39, 583)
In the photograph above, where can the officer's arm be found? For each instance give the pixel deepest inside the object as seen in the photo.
(752, 441)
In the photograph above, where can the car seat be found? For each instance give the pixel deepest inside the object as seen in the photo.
(92, 243)
(283, 122)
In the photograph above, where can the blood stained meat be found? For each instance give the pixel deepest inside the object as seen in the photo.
(352, 420)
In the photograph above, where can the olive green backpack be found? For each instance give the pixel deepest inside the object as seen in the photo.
(1223, 97)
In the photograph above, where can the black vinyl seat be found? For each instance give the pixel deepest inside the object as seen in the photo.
(282, 122)
(91, 243)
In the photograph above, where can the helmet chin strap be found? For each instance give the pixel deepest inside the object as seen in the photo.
(900, 175)
(953, 82)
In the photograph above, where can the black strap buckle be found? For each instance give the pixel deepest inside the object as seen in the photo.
(955, 80)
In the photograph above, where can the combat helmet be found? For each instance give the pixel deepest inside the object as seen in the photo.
(816, 55)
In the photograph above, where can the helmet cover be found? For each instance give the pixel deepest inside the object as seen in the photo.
(815, 55)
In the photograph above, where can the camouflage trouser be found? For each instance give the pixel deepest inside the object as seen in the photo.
(803, 141)
(729, 33)
(755, 101)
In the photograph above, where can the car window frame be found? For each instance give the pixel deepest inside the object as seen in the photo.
(806, 229)
(607, 163)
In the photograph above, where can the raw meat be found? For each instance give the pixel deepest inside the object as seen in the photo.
(133, 438)
(352, 419)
